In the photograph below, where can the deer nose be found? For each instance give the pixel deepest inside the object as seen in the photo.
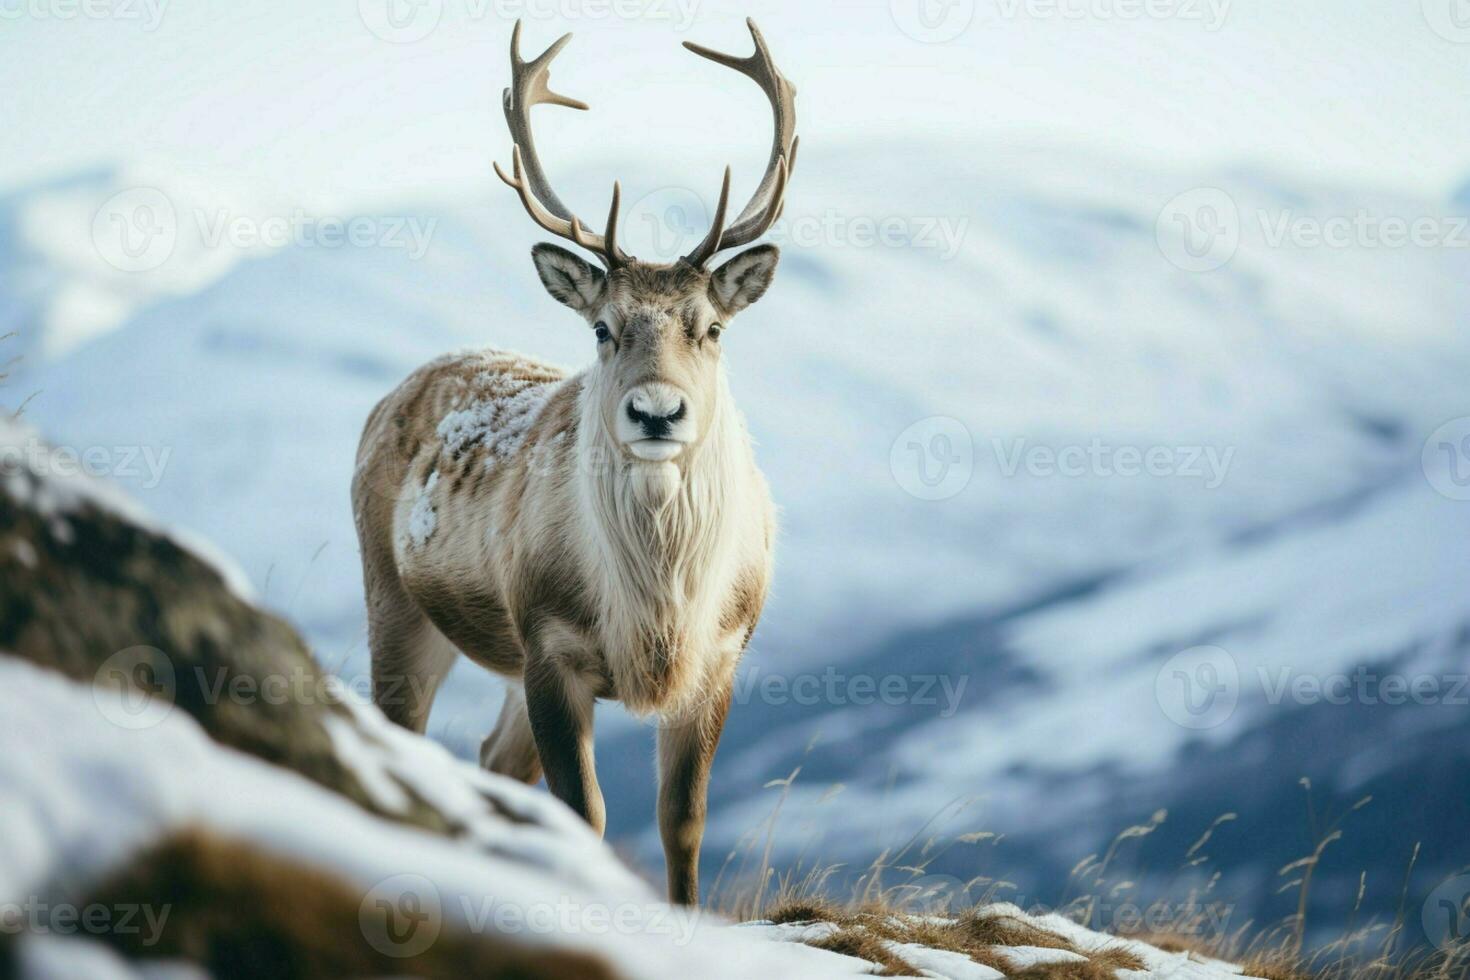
(655, 416)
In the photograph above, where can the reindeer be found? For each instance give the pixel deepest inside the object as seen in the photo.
(603, 535)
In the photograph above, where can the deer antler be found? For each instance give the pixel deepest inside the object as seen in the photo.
(529, 88)
(765, 206)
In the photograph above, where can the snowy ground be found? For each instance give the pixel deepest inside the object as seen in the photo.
(68, 822)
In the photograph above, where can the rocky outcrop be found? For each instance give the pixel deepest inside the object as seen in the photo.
(88, 588)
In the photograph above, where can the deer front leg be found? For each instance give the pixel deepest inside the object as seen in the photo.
(560, 705)
(686, 751)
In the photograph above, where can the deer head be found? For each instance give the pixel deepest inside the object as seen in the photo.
(658, 327)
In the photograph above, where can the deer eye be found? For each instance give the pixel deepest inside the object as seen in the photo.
(603, 333)
(713, 333)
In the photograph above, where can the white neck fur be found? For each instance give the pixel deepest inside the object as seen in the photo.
(661, 549)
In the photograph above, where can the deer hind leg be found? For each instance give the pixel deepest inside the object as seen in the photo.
(410, 659)
(510, 749)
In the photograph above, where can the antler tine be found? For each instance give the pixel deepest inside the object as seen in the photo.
(758, 215)
(539, 213)
(761, 223)
(612, 256)
(607, 244)
(529, 87)
(706, 249)
(610, 236)
(538, 72)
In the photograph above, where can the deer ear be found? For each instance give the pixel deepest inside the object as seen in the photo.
(744, 279)
(570, 279)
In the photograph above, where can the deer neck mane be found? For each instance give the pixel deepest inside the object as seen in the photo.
(660, 547)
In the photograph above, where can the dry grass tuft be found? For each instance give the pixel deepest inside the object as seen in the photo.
(1274, 968)
(866, 946)
(868, 932)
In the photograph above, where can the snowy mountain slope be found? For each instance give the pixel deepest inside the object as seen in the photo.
(1056, 321)
(1290, 393)
(81, 253)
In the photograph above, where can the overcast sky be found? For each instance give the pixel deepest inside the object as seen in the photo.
(308, 100)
